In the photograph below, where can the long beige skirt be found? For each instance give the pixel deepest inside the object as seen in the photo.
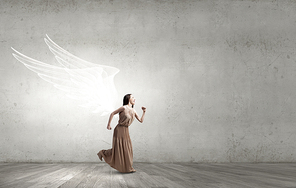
(120, 157)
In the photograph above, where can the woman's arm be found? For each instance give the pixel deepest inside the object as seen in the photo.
(111, 116)
(143, 115)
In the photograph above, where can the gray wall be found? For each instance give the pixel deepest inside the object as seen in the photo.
(218, 79)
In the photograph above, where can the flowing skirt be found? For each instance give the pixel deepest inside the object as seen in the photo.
(120, 157)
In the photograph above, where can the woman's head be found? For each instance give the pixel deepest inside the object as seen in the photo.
(129, 98)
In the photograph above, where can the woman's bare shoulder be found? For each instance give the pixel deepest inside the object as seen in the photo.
(123, 108)
(120, 109)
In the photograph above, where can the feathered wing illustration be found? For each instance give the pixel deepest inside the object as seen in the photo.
(89, 83)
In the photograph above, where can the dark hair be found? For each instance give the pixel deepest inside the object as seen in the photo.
(126, 99)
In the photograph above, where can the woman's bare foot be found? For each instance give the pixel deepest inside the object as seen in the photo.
(100, 155)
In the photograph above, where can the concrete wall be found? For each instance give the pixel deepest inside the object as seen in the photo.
(218, 79)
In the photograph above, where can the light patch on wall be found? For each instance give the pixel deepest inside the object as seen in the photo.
(89, 83)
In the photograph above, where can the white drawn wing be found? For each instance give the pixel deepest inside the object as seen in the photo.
(89, 83)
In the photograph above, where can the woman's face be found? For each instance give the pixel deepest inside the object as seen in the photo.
(132, 100)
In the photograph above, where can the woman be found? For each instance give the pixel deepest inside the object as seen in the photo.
(120, 156)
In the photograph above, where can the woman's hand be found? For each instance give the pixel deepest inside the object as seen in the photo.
(144, 109)
(142, 118)
(111, 116)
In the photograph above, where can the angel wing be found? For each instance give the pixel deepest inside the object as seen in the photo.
(89, 83)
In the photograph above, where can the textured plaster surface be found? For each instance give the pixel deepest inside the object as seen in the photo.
(218, 79)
